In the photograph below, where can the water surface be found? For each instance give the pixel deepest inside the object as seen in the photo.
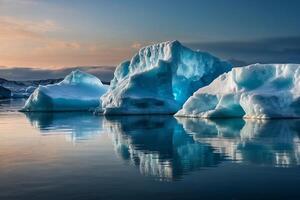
(81, 156)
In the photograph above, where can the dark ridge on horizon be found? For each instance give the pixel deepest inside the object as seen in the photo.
(104, 73)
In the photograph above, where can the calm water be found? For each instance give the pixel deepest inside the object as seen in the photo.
(81, 156)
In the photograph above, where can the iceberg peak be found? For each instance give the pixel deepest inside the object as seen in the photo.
(80, 77)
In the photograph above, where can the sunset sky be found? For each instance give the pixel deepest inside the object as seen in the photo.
(55, 34)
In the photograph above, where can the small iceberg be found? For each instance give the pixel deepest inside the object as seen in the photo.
(79, 91)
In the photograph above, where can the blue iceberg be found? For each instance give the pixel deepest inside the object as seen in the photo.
(254, 91)
(79, 91)
(159, 79)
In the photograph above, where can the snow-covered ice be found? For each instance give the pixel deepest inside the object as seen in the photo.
(159, 79)
(254, 91)
(79, 91)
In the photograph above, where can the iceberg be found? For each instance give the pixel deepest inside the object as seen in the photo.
(254, 91)
(79, 91)
(159, 79)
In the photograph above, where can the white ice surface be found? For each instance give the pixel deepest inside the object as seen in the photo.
(254, 91)
(79, 91)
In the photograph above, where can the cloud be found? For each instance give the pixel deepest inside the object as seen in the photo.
(42, 43)
(136, 45)
(268, 50)
(26, 2)
(13, 28)
(105, 73)
(24, 38)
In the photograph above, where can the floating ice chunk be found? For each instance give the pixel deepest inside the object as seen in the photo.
(254, 91)
(159, 79)
(79, 91)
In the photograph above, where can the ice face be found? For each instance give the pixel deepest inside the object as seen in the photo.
(159, 79)
(79, 91)
(254, 91)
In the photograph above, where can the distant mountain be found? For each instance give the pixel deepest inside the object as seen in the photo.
(28, 73)
(22, 89)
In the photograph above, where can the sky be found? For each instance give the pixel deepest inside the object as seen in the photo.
(41, 36)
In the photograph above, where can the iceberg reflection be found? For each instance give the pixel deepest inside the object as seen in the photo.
(159, 146)
(75, 125)
(167, 148)
(272, 142)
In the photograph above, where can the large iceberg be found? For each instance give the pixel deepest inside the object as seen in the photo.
(254, 91)
(79, 91)
(159, 79)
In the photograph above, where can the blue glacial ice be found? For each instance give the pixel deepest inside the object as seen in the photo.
(254, 91)
(159, 79)
(79, 91)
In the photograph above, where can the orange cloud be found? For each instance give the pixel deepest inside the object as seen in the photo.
(136, 45)
(29, 43)
(12, 28)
